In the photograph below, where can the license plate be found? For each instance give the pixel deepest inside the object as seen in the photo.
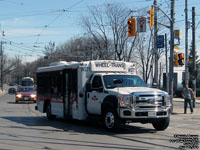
(25, 98)
(151, 114)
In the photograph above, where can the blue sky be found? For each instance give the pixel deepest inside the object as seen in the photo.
(29, 25)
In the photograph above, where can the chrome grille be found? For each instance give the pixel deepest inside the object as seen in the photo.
(149, 102)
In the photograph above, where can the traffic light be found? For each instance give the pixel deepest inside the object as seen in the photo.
(151, 17)
(181, 59)
(176, 58)
(131, 27)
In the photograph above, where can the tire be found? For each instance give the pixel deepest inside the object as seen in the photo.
(111, 119)
(16, 102)
(48, 112)
(162, 124)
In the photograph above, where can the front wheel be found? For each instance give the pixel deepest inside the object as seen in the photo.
(48, 111)
(111, 119)
(162, 124)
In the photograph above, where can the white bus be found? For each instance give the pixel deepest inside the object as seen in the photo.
(106, 89)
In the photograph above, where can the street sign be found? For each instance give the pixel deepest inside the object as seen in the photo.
(141, 24)
(160, 41)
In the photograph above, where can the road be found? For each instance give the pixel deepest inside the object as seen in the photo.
(23, 128)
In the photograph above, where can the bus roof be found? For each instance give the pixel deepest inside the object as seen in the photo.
(95, 66)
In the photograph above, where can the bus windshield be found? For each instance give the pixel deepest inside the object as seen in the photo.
(127, 81)
(27, 83)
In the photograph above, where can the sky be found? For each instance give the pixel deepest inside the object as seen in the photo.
(26, 26)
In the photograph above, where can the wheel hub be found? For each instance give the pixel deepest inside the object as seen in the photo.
(109, 120)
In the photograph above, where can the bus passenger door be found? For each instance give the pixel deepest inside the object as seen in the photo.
(70, 90)
(66, 93)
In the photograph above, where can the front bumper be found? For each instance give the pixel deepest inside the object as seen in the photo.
(26, 99)
(142, 115)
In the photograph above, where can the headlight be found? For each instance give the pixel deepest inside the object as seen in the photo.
(124, 100)
(134, 99)
(167, 100)
(19, 95)
(33, 95)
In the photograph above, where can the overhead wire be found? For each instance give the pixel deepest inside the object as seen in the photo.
(58, 16)
(14, 44)
(54, 19)
(46, 26)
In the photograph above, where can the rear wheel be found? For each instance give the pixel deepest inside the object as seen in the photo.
(111, 119)
(48, 111)
(162, 124)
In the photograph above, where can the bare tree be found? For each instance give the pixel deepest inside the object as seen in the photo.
(13, 69)
(110, 23)
(117, 18)
(145, 55)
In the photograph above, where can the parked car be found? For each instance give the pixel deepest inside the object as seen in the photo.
(25, 94)
(11, 90)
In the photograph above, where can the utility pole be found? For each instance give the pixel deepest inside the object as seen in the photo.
(171, 62)
(1, 65)
(194, 53)
(166, 60)
(186, 43)
(171, 59)
(155, 45)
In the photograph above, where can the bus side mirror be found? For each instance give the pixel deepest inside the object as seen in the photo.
(88, 87)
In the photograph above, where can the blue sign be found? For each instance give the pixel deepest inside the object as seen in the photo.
(160, 41)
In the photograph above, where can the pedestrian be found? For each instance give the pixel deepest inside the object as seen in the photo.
(188, 96)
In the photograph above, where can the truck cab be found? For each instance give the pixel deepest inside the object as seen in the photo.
(122, 97)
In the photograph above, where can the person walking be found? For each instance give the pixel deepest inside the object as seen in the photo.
(188, 95)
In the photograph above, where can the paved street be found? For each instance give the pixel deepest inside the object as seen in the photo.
(23, 128)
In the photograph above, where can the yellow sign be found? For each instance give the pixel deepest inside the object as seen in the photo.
(176, 48)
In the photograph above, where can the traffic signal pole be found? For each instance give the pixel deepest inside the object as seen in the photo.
(155, 45)
(166, 60)
(171, 62)
(171, 59)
